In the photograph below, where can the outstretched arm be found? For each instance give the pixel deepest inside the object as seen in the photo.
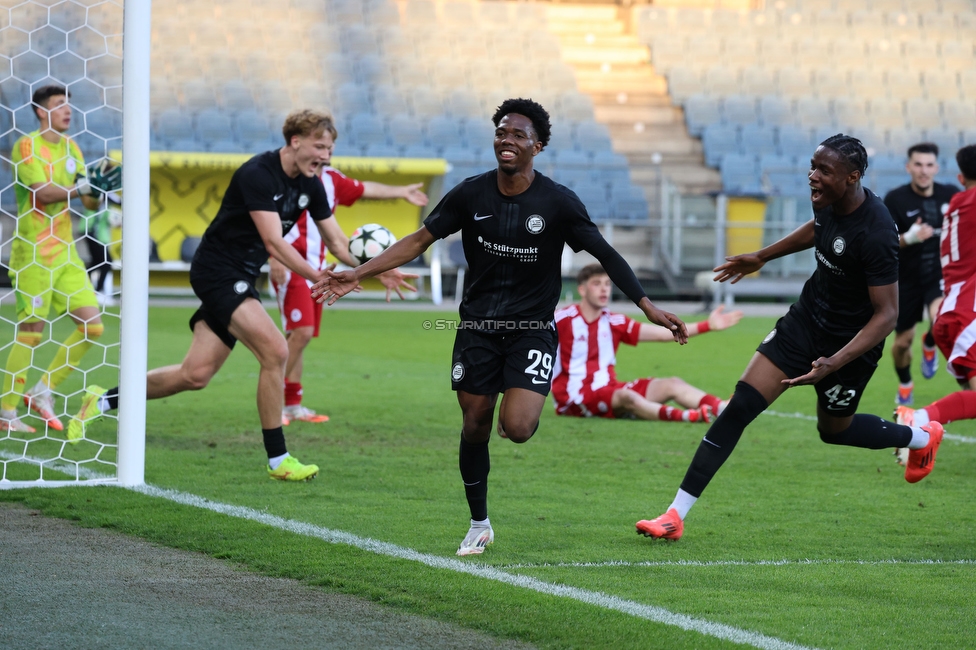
(412, 193)
(737, 267)
(884, 299)
(335, 285)
(717, 320)
(269, 227)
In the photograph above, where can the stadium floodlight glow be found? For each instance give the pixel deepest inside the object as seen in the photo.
(82, 46)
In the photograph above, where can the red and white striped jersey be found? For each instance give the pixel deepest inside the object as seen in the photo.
(587, 352)
(304, 235)
(958, 240)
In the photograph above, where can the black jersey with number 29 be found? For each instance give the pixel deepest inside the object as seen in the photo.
(259, 185)
(513, 244)
(854, 251)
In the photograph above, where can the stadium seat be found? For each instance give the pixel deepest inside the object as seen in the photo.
(592, 136)
(946, 138)
(739, 174)
(810, 110)
(850, 112)
(940, 85)
(443, 130)
(571, 158)
(757, 139)
(213, 125)
(610, 160)
(904, 84)
(758, 80)
(463, 102)
(923, 113)
(718, 140)
(418, 150)
(700, 111)
(683, 82)
(795, 141)
(252, 128)
(793, 82)
(830, 83)
(721, 80)
(631, 205)
(575, 106)
(388, 99)
(667, 52)
(405, 130)
(382, 150)
(956, 54)
(959, 112)
(868, 82)
(236, 95)
(171, 125)
(887, 114)
(85, 95)
(367, 128)
(738, 52)
(739, 109)
(775, 110)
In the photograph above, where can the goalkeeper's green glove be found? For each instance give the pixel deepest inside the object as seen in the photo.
(102, 176)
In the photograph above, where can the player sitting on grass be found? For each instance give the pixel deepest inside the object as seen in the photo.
(954, 326)
(266, 196)
(584, 380)
(831, 338)
(301, 316)
(45, 267)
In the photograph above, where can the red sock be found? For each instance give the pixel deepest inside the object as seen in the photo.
(672, 414)
(712, 401)
(960, 405)
(293, 393)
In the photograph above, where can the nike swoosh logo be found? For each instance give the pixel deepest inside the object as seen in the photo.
(278, 196)
(483, 217)
(544, 381)
(912, 213)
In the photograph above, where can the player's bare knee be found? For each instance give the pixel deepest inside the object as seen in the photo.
(197, 377)
(519, 432)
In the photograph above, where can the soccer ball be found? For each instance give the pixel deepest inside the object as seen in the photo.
(370, 240)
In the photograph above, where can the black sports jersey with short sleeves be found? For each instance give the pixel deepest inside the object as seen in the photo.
(919, 263)
(260, 184)
(514, 245)
(854, 252)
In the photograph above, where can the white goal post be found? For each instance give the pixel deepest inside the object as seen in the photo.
(33, 55)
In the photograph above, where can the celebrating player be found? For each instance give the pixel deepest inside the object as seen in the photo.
(45, 267)
(584, 382)
(831, 338)
(266, 196)
(954, 327)
(514, 223)
(301, 316)
(917, 209)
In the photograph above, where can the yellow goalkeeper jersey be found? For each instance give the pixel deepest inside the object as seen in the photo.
(44, 233)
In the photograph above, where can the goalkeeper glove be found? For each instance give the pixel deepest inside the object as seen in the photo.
(105, 176)
(912, 234)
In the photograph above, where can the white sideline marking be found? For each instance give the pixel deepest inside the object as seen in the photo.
(711, 563)
(648, 612)
(804, 416)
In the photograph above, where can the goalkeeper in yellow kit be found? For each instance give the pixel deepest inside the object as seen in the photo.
(45, 268)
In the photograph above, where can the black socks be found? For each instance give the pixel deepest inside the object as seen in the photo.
(474, 463)
(744, 407)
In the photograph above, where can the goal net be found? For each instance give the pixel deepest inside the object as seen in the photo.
(61, 309)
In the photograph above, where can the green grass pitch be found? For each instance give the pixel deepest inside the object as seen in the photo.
(815, 545)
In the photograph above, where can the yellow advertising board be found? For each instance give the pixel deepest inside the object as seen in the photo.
(744, 232)
(186, 190)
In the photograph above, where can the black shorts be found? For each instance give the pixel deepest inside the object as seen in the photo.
(796, 342)
(488, 364)
(221, 290)
(914, 300)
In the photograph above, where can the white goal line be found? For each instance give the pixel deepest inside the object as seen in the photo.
(727, 563)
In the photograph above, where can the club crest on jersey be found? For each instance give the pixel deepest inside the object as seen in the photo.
(535, 224)
(457, 372)
(296, 315)
(71, 166)
(303, 201)
(839, 246)
(240, 286)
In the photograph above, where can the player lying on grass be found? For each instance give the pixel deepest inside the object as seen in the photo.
(301, 316)
(514, 223)
(584, 381)
(266, 196)
(955, 326)
(831, 338)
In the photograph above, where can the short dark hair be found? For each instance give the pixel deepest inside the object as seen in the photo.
(966, 159)
(589, 271)
(924, 147)
(530, 109)
(307, 122)
(44, 93)
(851, 149)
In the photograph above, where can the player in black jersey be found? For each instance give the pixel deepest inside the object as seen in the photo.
(918, 208)
(514, 223)
(265, 198)
(831, 338)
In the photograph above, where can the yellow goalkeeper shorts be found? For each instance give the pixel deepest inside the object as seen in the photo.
(39, 289)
